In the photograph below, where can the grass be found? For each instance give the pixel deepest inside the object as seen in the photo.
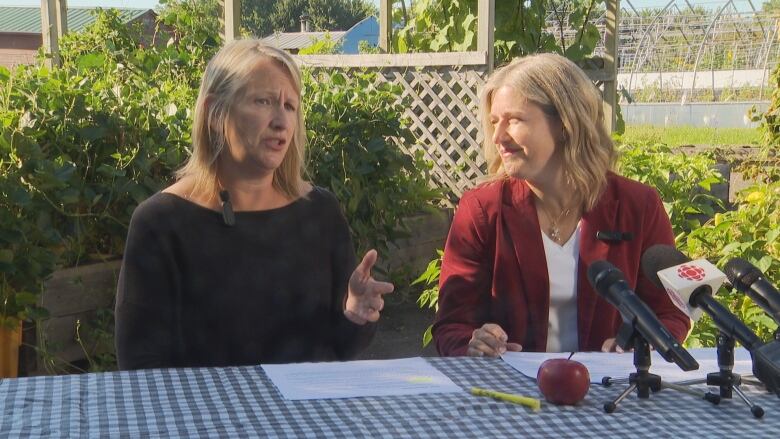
(689, 135)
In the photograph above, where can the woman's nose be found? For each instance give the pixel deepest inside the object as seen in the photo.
(499, 133)
(280, 120)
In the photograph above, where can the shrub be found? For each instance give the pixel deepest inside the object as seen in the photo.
(352, 125)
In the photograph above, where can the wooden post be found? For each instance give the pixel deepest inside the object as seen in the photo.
(385, 24)
(486, 17)
(611, 64)
(54, 24)
(231, 17)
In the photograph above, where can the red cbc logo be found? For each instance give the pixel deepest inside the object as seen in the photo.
(690, 272)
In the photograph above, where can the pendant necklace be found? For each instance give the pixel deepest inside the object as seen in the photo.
(554, 231)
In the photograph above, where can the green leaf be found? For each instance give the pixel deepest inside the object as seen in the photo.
(92, 133)
(10, 236)
(6, 256)
(26, 299)
(375, 145)
(91, 61)
(427, 336)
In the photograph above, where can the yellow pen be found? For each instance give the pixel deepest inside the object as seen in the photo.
(533, 403)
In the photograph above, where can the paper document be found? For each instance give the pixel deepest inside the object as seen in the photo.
(616, 365)
(406, 376)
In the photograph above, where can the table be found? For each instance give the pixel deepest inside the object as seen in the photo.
(242, 402)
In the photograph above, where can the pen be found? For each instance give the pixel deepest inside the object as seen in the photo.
(533, 403)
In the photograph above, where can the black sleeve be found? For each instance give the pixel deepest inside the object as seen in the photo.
(349, 338)
(145, 305)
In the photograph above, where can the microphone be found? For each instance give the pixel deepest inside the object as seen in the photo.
(610, 284)
(690, 285)
(227, 209)
(614, 236)
(691, 282)
(748, 279)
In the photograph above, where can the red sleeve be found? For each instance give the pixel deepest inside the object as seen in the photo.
(464, 284)
(658, 230)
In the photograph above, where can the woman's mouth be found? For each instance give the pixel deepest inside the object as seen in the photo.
(505, 152)
(275, 143)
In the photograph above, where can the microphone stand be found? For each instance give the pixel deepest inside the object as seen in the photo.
(725, 379)
(642, 380)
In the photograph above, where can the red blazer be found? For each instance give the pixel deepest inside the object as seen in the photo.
(494, 268)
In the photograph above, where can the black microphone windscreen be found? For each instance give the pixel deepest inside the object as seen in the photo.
(660, 257)
(597, 270)
(737, 270)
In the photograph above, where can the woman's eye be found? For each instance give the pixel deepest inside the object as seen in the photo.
(290, 107)
(263, 101)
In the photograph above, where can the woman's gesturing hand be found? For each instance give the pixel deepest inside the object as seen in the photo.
(364, 294)
(490, 340)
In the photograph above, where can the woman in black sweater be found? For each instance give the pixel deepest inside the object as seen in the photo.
(241, 261)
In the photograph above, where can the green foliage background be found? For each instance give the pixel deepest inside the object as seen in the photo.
(520, 27)
(263, 17)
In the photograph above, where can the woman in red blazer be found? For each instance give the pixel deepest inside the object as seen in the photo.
(514, 269)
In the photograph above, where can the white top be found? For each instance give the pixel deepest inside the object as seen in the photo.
(562, 272)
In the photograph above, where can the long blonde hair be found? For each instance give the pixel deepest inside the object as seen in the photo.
(563, 91)
(226, 75)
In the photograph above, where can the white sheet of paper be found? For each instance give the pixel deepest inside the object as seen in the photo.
(349, 379)
(616, 365)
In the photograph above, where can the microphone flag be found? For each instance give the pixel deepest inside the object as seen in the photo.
(680, 281)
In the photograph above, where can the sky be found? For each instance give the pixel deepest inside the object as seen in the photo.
(710, 4)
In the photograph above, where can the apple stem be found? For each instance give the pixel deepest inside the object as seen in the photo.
(570, 355)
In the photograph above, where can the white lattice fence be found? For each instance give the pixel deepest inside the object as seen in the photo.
(442, 93)
(443, 116)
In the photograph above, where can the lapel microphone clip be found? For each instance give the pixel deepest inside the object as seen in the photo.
(614, 236)
(227, 209)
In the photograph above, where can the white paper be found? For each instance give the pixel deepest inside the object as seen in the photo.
(406, 376)
(616, 365)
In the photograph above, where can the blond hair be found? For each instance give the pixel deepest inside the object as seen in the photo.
(225, 77)
(562, 91)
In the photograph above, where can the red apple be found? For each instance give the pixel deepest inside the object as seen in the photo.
(563, 381)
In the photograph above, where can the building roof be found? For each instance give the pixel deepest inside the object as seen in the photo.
(299, 40)
(27, 20)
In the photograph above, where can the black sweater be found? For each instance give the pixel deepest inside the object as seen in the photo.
(195, 292)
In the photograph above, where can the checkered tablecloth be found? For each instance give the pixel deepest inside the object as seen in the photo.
(242, 402)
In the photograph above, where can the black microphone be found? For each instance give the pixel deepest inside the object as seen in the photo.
(748, 279)
(227, 208)
(610, 284)
(766, 357)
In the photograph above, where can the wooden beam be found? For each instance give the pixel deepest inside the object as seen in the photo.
(610, 64)
(486, 18)
(385, 24)
(231, 17)
(393, 60)
(54, 24)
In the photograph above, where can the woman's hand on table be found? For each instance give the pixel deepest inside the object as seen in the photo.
(610, 345)
(490, 340)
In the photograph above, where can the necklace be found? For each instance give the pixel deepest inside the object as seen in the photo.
(554, 231)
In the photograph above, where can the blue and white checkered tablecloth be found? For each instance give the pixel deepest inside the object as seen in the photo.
(242, 402)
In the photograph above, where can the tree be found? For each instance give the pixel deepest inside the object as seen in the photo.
(771, 6)
(521, 27)
(262, 17)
